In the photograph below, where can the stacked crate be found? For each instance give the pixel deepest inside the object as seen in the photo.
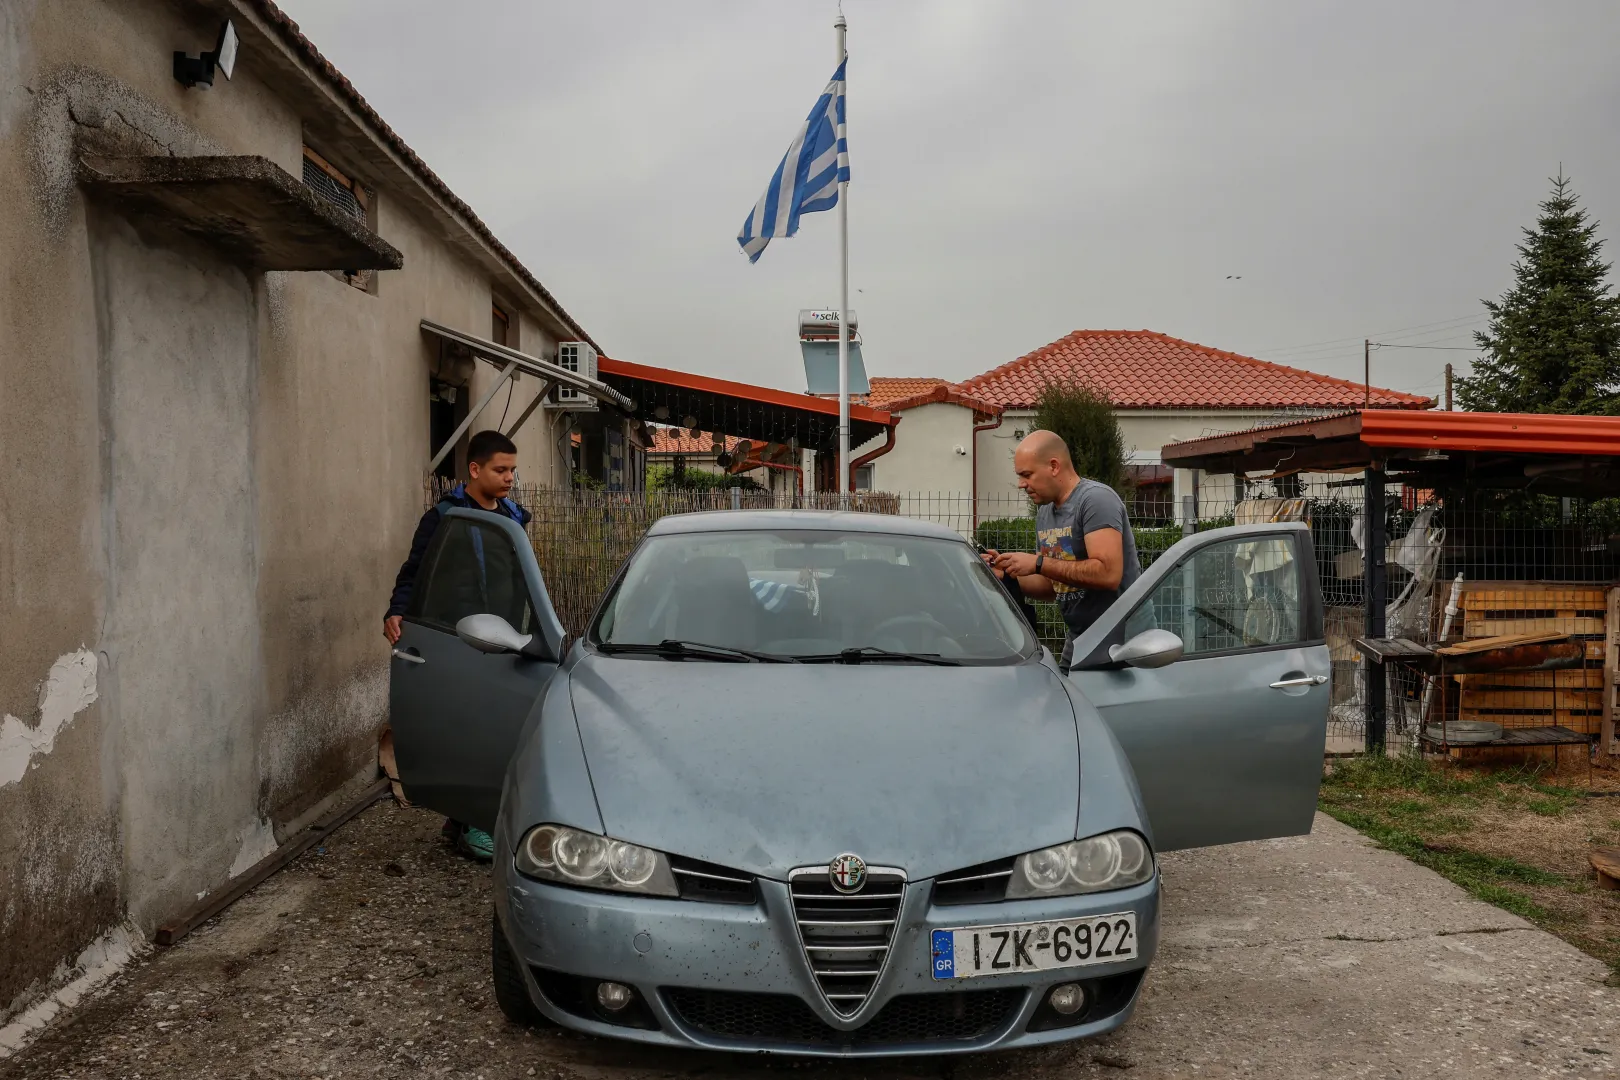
(1572, 698)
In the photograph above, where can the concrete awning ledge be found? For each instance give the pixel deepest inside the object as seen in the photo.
(247, 207)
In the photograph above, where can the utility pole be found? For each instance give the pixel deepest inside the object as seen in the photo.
(1448, 388)
(1366, 373)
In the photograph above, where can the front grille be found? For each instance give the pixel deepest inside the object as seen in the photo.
(982, 884)
(958, 1016)
(846, 936)
(715, 884)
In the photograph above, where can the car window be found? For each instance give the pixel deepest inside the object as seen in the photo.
(471, 569)
(799, 592)
(1236, 594)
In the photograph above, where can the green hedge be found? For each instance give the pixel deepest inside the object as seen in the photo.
(1018, 534)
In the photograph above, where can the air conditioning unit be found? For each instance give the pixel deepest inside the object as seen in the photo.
(580, 358)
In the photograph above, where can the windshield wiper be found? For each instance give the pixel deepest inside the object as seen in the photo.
(695, 650)
(865, 653)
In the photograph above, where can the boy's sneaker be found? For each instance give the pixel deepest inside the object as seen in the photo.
(470, 842)
(473, 843)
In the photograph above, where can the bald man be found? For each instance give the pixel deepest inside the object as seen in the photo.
(1087, 553)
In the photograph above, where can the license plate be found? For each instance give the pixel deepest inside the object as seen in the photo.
(972, 951)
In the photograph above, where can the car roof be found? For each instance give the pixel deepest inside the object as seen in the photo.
(706, 521)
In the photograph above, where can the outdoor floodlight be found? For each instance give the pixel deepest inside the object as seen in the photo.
(199, 70)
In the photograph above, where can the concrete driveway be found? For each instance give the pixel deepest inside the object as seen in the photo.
(1318, 956)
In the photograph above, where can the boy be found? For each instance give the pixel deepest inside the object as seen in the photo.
(491, 471)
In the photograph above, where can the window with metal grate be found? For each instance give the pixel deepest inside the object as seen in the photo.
(348, 197)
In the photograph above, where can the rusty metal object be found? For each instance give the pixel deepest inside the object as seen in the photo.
(1542, 656)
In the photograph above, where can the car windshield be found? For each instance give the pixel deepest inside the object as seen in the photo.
(820, 595)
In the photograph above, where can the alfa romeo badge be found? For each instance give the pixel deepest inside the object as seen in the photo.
(847, 873)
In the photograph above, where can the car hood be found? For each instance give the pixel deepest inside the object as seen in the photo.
(767, 767)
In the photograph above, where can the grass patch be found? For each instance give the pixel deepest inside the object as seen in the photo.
(1426, 812)
(1546, 807)
(1484, 876)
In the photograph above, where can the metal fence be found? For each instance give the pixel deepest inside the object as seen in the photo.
(582, 537)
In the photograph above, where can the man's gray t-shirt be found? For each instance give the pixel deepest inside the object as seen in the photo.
(1061, 529)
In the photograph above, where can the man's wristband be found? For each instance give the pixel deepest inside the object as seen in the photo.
(1039, 559)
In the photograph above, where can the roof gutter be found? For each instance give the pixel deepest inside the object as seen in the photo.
(888, 444)
(973, 450)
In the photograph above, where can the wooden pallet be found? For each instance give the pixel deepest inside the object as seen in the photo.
(1571, 698)
(1490, 609)
(1611, 677)
(1589, 678)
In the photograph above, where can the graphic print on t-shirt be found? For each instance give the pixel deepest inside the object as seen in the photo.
(1058, 543)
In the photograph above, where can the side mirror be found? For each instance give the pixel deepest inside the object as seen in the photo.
(492, 634)
(1149, 649)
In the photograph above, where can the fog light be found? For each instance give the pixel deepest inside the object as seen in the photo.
(614, 996)
(1066, 1000)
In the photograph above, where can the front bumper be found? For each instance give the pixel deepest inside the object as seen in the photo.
(735, 977)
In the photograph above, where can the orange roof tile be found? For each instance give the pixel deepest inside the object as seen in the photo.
(950, 394)
(1141, 369)
(885, 390)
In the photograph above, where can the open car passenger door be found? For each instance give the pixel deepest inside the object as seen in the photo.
(460, 699)
(1226, 733)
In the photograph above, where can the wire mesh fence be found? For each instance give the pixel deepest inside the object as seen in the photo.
(1509, 549)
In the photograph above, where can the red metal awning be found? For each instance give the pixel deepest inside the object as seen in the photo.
(1488, 449)
(757, 413)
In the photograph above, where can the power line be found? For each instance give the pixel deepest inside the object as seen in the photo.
(1397, 332)
(1422, 336)
(1442, 348)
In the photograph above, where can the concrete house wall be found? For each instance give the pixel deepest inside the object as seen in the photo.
(924, 457)
(210, 476)
(1145, 432)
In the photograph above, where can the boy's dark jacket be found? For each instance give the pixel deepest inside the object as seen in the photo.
(424, 536)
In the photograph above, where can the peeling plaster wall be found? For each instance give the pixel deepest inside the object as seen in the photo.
(178, 505)
(208, 478)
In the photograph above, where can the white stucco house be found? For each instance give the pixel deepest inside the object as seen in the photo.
(959, 436)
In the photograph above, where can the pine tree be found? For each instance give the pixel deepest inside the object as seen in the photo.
(1553, 344)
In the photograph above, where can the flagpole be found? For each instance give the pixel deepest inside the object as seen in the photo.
(844, 478)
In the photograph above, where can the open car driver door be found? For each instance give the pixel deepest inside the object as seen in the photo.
(1213, 673)
(477, 648)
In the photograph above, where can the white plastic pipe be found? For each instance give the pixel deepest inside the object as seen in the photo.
(1453, 606)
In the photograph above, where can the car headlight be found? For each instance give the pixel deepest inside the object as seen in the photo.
(1098, 863)
(575, 857)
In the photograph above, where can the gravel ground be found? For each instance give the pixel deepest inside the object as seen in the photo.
(1311, 957)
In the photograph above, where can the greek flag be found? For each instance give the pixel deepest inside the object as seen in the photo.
(808, 177)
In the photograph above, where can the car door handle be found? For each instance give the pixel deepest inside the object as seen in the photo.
(410, 657)
(1303, 680)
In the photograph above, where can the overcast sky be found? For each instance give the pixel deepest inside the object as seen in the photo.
(1020, 170)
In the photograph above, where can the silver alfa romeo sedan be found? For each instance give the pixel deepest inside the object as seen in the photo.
(809, 785)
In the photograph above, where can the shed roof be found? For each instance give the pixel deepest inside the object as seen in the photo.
(758, 413)
(1563, 454)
